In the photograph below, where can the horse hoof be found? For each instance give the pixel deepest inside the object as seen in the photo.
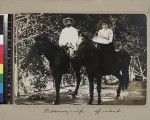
(99, 103)
(55, 103)
(73, 96)
(89, 103)
(120, 98)
(117, 98)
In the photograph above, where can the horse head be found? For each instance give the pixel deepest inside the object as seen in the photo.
(87, 37)
(41, 39)
(86, 48)
(86, 41)
(44, 41)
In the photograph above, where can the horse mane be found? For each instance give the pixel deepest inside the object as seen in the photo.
(86, 41)
(47, 40)
(86, 50)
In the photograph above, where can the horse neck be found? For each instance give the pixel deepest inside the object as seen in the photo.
(49, 50)
(86, 50)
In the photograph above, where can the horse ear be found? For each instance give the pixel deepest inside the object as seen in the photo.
(87, 36)
(36, 38)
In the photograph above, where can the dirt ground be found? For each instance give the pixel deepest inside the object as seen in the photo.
(135, 95)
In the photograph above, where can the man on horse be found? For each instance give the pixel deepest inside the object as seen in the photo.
(69, 39)
(104, 43)
(69, 36)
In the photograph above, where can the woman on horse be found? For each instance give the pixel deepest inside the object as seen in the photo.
(104, 43)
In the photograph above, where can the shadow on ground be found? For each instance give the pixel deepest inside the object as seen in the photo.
(135, 95)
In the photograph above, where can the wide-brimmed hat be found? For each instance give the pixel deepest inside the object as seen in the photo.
(105, 22)
(68, 18)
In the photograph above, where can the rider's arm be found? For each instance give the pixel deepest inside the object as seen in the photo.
(99, 33)
(62, 40)
(75, 38)
(110, 36)
(102, 40)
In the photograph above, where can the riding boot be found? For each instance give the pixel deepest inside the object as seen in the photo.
(71, 67)
(72, 55)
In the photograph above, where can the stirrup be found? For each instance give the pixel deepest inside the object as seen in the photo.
(70, 69)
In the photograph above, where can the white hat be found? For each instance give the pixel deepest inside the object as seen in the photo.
(68, 18)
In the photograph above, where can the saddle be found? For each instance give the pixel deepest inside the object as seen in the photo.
(106, 54)
(71, 54)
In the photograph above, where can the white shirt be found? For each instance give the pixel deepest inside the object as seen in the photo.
(69, 35)
(104, 36)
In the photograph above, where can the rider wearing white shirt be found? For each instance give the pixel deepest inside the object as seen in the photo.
(69, 36)
(106, 35)
(104, 43)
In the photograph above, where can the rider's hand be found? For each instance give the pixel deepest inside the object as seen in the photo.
(68, 45)
(102, 37)
(96, 45)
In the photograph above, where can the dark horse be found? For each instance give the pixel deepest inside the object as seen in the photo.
(59, 61)
(88, 56)
(92, 59)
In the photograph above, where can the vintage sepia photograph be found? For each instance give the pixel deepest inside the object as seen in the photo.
(77, 59)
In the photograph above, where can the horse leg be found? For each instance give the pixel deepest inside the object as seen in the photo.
(91, 89)
(57, 86)
(99, 90)
(123, 82)
(78, 80)
(119, 90)
(119, 76)
(125, 77)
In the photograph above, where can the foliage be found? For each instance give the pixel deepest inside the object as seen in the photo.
(129, 34)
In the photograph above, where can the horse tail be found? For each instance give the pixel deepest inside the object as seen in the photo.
(125, 73)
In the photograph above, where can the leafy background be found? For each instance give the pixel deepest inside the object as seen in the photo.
(32, 72)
